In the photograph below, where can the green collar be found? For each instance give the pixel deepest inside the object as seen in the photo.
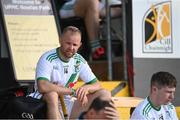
(153, 106)
(61, 57)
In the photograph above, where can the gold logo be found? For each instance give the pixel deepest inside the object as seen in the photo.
(157, 33)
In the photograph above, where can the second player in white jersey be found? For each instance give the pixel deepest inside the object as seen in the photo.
(146, 111)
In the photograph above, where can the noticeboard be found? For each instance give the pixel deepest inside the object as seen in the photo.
(31, 30)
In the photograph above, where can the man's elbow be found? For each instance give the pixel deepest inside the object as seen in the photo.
(99, 84)
(42, 86)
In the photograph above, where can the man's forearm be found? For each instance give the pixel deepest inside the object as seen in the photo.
(46, 86)
(93, 87)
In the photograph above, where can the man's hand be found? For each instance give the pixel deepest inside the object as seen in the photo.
(81, 94)
(111, 112)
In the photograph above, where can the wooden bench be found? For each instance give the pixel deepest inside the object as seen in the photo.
(126, 105)
(178, 111)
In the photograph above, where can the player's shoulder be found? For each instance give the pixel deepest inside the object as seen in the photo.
(50, 55)
(79, 58)
(141, 110)
(143, 105)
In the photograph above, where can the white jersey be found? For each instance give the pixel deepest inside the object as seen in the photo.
(146, 111)
(52, 68)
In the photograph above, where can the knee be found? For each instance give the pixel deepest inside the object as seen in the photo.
(51, 98)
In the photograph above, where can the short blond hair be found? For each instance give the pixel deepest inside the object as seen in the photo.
(71, 29)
